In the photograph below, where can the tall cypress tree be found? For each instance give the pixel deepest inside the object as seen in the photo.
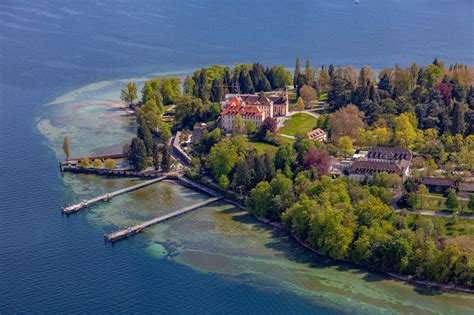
(217, 91)
(138, 156)
(297, 71)
(165, 158)
(308, 73)
(202, 91)
(156, 156)
(144, 134)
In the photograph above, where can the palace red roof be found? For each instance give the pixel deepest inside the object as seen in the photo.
(248, 110)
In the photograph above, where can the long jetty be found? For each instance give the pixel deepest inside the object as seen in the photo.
(108, 196)
(118, 235)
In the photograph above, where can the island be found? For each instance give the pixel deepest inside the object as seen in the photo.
(368, 167)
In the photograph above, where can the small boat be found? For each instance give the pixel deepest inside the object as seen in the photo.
(356, 1)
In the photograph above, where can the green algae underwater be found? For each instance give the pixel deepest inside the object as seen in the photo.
(219, 240)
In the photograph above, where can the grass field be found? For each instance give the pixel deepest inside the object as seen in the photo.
(300, 122)
(262, 147)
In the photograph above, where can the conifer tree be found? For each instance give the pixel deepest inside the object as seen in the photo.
(297, 71)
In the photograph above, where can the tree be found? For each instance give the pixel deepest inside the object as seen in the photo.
(458, 125)
(470, 205)
(346, 121)
(128, 95)
(188, 86)
(144, 133)
(422, 195)
(217, 91)
(66, 148)
(283, 157)
(404, 131)
(138, 156)
(283, 196)
(201, 87)
(432, 75)
(297, 72)
(308, 94)
(308, 73)
(223, 182)
(222, 158)
(299, 106)
(279, 77)
(345, 146)
(170, 89)
(314, 158)
(156, 156)
(149, 113)
(166, 160)
(324, 80)
(452, 201)
(188, 111)
(110, 164)
(250, 127)
(97, 163)
(260, 199)
(242, 178)
(238, 126)
(268, 125)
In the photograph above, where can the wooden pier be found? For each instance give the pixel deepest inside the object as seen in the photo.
(108, 196)
(118, 235)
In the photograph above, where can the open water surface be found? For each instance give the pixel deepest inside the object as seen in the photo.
(62, 66)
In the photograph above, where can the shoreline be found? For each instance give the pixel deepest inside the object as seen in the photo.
(407, 279)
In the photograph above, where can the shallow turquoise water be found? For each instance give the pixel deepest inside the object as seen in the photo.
(59, 64)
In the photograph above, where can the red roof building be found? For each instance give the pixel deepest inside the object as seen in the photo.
(317, 134)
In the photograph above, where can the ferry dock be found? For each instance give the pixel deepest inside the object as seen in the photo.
(108, 196)
(126, 232)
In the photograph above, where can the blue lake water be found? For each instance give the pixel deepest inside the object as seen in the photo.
(216, 260)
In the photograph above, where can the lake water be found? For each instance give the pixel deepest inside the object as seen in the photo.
(62, 65)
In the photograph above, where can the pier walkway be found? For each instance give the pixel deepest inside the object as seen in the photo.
(115, 236)
(108, 196)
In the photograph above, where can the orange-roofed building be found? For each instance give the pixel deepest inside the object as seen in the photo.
(247, 112)
(317, 134)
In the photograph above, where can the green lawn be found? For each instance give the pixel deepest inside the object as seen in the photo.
(262, 147)
(284, 140)
(300, 122)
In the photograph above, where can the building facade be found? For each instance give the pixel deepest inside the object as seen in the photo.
(381, 159)
(247, 113)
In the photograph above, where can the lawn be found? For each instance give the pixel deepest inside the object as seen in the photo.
(300, 122)
(262, 147)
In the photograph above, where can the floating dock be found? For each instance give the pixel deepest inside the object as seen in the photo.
(118, 235)
(108, 196)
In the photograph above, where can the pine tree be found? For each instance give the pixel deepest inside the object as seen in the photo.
(165, 158)
(217, 91)
(201, 86)
(331, 70)
(144, 134)
(156, 156)
(458, 124)
(138, 157)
